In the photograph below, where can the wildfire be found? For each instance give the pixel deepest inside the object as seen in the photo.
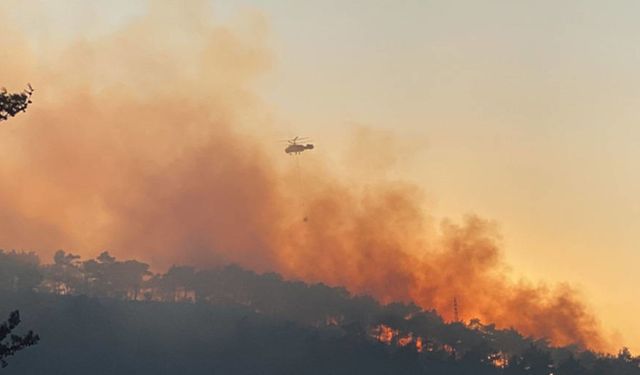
(169, 174)
(498, 360)
(406, 340)
(449, 349)
(332, 321)
(385, 334)
(388, 336)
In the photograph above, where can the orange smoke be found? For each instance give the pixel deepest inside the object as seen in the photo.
(138, 142)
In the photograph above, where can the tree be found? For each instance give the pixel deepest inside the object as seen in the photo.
(13, 103)
(534, 360)
(98, 274)
(128, 278)
(108, 277)
(64, 275)
(179, 282)
(19, 271)
(11, 343)
(571, 366)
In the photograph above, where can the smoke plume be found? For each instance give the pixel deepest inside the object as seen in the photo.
(147, 142)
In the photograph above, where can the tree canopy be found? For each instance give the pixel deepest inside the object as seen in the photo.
(13, 103)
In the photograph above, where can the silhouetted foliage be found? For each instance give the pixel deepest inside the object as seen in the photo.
(13, 103)
(11, 343)
(19, 271)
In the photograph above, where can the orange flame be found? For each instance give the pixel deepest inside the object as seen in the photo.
(406, 340)
(332, 321)
(499, 360)
(384, 334)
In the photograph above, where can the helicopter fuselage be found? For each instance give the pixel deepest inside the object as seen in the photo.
(297, 148)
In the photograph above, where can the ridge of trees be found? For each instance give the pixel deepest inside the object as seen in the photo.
(397, 327)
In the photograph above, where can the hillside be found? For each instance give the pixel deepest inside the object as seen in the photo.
(104, 316)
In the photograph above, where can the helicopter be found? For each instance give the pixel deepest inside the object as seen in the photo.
(296, 148)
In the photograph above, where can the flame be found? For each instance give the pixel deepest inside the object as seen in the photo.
(388, 335)
(332, 321)
(384, 334)
(449, 349)
(406, 340)
(499, 360)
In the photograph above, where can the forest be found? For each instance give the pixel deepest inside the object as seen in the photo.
(106, 316)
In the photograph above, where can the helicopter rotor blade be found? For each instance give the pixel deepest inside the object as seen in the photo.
(295, 141)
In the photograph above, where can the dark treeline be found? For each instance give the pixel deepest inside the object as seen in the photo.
(106, 316)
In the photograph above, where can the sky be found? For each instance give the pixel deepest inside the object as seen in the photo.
(520, 112)
(526, 113)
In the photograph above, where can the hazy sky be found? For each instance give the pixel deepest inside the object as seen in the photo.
(522, 112)
(528, 112)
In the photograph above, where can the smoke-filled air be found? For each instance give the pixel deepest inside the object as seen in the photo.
(150, 142)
